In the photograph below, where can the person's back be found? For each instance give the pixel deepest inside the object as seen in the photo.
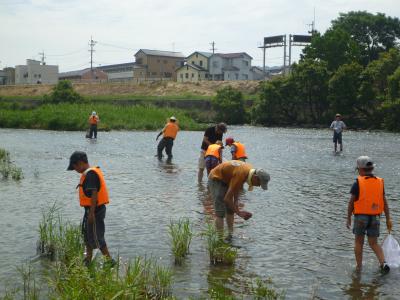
(229, 171)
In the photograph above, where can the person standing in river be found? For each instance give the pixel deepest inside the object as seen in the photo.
(93, 197)
(93, 121)
(238, 150)
(367, 202)
(211, 136)
(225, 182)
(338, 126)
(169, 132)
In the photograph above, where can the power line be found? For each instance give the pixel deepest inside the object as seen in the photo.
(69, 53)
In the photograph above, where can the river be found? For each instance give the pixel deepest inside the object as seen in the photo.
(297, 235)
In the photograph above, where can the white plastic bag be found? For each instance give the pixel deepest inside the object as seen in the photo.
(391, 250)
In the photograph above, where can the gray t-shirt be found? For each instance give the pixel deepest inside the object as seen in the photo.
(338, 126)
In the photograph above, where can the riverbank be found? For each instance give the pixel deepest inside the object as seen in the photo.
(74, 117)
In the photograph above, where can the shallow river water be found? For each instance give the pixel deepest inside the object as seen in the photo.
(297, 235)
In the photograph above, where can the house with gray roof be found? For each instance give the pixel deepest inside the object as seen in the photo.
(156, 64)
(85, 75)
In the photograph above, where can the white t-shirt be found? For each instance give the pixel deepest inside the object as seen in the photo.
(338, 126)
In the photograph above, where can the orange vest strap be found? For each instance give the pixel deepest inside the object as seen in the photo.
(102, 195)
(171, 130)
(371, 196)
(213, 150)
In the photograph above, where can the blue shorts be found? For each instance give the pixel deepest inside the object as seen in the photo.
(337, 137)
(366, 224)
(211, 163)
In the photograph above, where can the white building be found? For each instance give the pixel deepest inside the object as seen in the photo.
(35, 73)
(230, 66)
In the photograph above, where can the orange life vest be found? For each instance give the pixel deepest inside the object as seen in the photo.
(370, 198)
(240, 150)
(93, 120)
(213, 150)
(171, 130)
(102, 195)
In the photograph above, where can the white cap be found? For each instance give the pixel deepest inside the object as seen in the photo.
(364, 162)
(93, 113)
(173, 118)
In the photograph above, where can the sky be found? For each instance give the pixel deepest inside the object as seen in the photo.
(62, 29)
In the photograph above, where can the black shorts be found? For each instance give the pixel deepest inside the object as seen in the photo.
(93, 234)
(337, 137)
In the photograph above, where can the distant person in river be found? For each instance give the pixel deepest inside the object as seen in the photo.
(93, 121)
(211, 135)
(225, 182)
(213, 156)
(93, 197)
(238, 150)
(169, 133)
(338, 126)
(367, 202)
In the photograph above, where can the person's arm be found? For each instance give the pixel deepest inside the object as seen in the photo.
(350, 209)
(231, 200)
(205, 140)
(387, 214)
(93, 205)
(332, 126)
(161, 132)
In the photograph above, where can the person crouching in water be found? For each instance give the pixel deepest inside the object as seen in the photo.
(93, 120)
(367, 202)
(225, 183)
(169, 132)
(93, 197)
(213, 156)
(238, 150)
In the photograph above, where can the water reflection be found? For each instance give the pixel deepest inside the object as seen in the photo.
(358, 289)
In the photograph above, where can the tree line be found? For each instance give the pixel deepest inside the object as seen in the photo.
(352, 69)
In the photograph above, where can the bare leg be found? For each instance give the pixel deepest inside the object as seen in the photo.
(200, 175)
(335, 147)
(229, 222)
(105, 252)
(341, 146)
(373, 243)
(358, 250)
(219, 224)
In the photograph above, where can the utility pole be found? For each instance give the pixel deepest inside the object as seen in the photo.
(91, 44)
(284, 54)
(42, 57)
(213, 47)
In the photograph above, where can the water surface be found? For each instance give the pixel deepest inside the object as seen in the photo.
(297, 234)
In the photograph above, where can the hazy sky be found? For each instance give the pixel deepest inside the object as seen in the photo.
(62, 29)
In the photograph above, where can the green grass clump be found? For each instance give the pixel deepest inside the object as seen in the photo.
(219, 251)
(7, 168)
(181, 237)
(59, 240)
(67, 116)
(264, 289)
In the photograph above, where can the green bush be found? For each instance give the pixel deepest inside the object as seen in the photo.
(63, 92)
(229, 106)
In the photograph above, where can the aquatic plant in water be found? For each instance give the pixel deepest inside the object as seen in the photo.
(219, 251)
(7, 168)
(181, 237)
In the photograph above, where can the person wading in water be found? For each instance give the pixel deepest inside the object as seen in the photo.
(169, 132)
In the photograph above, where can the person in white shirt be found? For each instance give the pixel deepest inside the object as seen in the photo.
(338, 126)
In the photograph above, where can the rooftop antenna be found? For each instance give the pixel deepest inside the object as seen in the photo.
(312, 25)
(42, 57)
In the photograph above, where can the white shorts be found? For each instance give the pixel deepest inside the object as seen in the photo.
(202, 163)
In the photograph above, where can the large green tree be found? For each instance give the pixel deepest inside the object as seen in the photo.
(373, 33)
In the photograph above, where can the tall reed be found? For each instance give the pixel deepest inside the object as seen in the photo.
(181, 236)
(219, 251)
(7, 168)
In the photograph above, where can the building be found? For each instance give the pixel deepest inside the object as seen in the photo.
(196, 67)
(257, 73)
(219, 66)
(35, 72)
(118, 72)
(230, 66)
(85, 75)
(156, 64)
(7, 76)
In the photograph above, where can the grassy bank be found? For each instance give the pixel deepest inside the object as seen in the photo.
(74, 117)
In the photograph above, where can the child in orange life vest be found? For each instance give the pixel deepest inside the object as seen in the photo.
(93, 120)
(213, 156)
(238, 150)
(169, 131)
(367, 202)
(93, 197)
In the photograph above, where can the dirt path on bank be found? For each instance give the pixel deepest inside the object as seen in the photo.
(205, 88)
